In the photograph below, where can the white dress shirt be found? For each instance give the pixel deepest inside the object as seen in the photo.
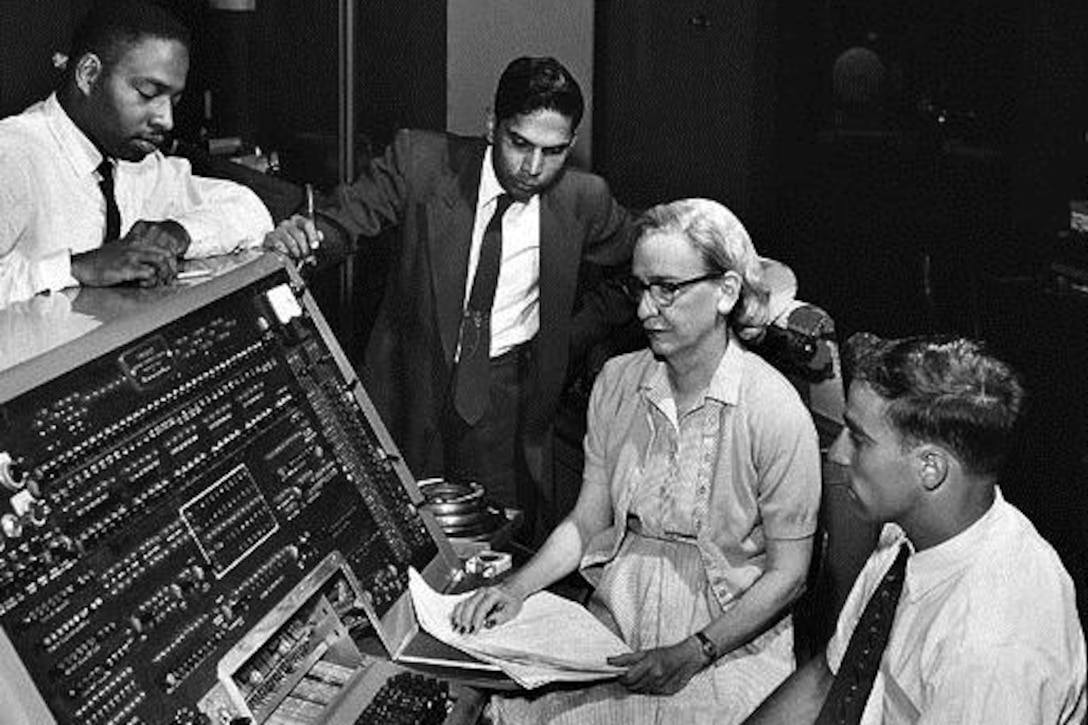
(515, 313)
(986, 630)
(51, 206)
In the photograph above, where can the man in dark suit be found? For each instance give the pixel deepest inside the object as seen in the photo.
(448, 194)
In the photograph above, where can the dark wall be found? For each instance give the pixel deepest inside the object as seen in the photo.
(292, 79)
(684, 99)
(1051, 134)
(27, 43)
(965, 162)
(402, 67)
(31, 32)
(272, 73)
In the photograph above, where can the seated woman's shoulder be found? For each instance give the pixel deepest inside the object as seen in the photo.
(767, 382)
(629, 366)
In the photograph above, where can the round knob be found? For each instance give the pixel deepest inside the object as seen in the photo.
(63, 547)
(11, 526)
(12, 473)
(193, 574)
(37, 512)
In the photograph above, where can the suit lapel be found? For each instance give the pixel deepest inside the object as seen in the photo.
(558, 263)
(449, 237)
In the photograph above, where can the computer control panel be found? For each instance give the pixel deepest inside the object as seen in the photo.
(160, 501)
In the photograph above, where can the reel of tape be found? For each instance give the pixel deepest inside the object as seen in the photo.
(460, 508)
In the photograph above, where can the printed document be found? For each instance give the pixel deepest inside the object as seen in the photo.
(552, 638)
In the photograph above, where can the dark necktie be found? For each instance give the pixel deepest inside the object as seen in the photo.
(472, 377)
(849, 692)
(113, 214)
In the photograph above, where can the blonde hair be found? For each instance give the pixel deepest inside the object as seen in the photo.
(722, 241)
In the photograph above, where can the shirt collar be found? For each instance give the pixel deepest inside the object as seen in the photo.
(931, 567)
(724, 386)
(490, 187)
(78, 149)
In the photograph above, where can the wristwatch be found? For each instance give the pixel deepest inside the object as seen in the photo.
(710, 651)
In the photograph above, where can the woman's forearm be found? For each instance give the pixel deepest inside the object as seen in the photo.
(766, 599)
(559, 556)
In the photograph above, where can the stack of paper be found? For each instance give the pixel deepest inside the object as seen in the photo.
(552, 639)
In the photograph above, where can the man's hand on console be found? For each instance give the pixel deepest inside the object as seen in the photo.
(487, 607)
(297, 237)
(167, 235)
(661, 671)
(125, 261)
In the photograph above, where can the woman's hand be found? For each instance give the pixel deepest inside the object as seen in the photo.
(661, 671)
(487, 607)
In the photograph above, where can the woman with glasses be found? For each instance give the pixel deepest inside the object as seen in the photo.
(699, 497)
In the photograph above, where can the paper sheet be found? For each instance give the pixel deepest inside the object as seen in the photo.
(551, 639)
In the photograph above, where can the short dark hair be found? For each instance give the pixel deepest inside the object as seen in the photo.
(533, 84)
(111, 29)
(946, 390)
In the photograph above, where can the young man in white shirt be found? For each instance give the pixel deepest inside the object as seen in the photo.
(87, 197)
(985, 629)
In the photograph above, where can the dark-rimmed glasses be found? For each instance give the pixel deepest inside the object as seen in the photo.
(662, 292)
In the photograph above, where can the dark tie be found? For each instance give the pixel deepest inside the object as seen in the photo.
(849, 692)
(113, 214)
(472, 378)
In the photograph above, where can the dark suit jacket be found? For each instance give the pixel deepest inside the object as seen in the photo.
(427, 184)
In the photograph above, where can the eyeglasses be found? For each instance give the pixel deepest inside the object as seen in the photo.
(661, 292)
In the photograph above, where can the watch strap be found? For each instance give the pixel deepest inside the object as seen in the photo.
(710, 651)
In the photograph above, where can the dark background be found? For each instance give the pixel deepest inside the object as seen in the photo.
(930, 201)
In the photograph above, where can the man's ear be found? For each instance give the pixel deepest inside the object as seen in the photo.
(933, 466)
(491, 127)
(87, 72)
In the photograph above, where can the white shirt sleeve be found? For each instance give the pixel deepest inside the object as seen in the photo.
(22, 276)
(1012, 685)
(220, 216)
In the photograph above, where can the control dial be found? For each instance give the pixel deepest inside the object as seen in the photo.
(12, 473)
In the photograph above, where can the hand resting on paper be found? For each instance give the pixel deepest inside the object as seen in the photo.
(487, 607)
(661, 671)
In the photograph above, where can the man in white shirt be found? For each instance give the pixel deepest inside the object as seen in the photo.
(87, 197)
(986, 628)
